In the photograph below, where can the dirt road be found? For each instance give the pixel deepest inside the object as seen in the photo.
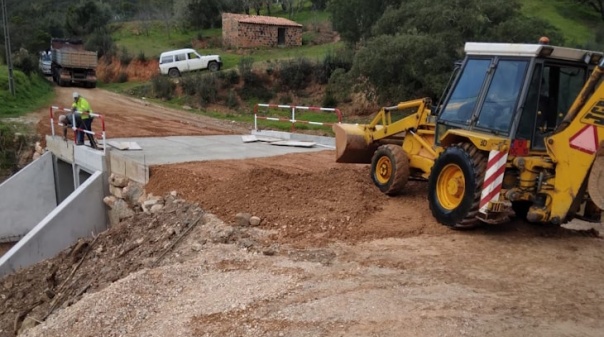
(131, 117)
(331, 257)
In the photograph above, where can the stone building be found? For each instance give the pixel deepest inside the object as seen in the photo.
(245, 31)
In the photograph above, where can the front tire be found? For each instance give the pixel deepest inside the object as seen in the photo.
(455, 186)
(213, 66)
(390, 169)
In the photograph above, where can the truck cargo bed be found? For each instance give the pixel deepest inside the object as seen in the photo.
(74, 58)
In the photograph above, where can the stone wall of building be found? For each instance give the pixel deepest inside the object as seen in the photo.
(246, 35)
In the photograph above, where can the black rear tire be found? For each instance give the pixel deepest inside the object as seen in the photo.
(455, 186)
(174, 72)
(390, 169)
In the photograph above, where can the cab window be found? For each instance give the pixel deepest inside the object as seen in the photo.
(181, 57)
(498, 110)
(193, 56)
(461, 104)
(167, 59)
(553, 90)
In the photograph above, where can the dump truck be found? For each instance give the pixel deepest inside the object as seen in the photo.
(518, 133)
(72, 64)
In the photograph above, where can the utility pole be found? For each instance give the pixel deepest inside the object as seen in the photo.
(9, 61)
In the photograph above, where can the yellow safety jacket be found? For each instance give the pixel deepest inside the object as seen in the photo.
(82, 106)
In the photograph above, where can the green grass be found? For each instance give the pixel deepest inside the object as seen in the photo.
(151, 40)
(32, 93)
(575, 21)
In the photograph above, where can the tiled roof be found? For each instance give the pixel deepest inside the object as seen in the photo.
(265, 20)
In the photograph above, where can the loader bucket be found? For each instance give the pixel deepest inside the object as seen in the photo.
(595, 184)
(351, 146)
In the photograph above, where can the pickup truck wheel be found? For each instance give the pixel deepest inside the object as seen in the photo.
(173, 72)
(213, 66)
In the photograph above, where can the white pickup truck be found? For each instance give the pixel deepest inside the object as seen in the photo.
(175, 62)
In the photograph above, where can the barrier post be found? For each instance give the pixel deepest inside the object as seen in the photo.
(52, 122)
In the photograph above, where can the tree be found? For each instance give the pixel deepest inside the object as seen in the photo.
(410, 50)
(208, 13)
(353, 19)
(596, 5)
(319, 4)
(83, 19)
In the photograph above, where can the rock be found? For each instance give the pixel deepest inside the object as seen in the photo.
(132, 193)
(149, 203)
(36, 156)
(28, 323)
(156, 208)
(120, 211)
(118, 180)
(196, 247)
(242, 219)
(110, 201)
(186, 107)
(174, 194)
(117, 191)
(39, 148)
(255, 221)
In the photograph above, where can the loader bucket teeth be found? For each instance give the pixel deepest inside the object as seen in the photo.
(351, 146)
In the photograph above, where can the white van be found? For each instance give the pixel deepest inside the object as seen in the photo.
(175, 62)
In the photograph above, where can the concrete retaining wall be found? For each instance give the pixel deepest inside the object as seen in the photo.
(26, 198)
(81, 214)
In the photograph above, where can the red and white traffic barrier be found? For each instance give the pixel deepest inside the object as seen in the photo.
(493, 179)
(293, 109)
(101, 135)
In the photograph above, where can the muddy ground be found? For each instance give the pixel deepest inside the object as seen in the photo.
(331, 257)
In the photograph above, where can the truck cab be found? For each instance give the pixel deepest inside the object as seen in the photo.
(517, 91)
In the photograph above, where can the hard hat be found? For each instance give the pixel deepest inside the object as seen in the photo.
(62, 119)
(544, 40)
(76, 94)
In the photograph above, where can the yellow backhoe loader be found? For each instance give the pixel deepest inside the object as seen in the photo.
(518, 132)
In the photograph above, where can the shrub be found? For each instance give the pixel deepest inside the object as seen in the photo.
(232, 101)
(333, 60)
(338, 89)
(245, 66)
(295, 74)
(189, 84)
(25, 61)
(286, 98)
(207, 90)
(228, 78)
(163, 87)
(141, 56)
(125, 57)
(329, 101)
(249, 92)
(122, 77)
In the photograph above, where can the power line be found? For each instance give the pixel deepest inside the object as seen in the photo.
(9, 61)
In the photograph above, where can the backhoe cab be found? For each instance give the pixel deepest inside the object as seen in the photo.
(517, 132)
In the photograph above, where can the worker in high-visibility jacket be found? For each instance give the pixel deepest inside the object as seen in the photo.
(81, 105)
